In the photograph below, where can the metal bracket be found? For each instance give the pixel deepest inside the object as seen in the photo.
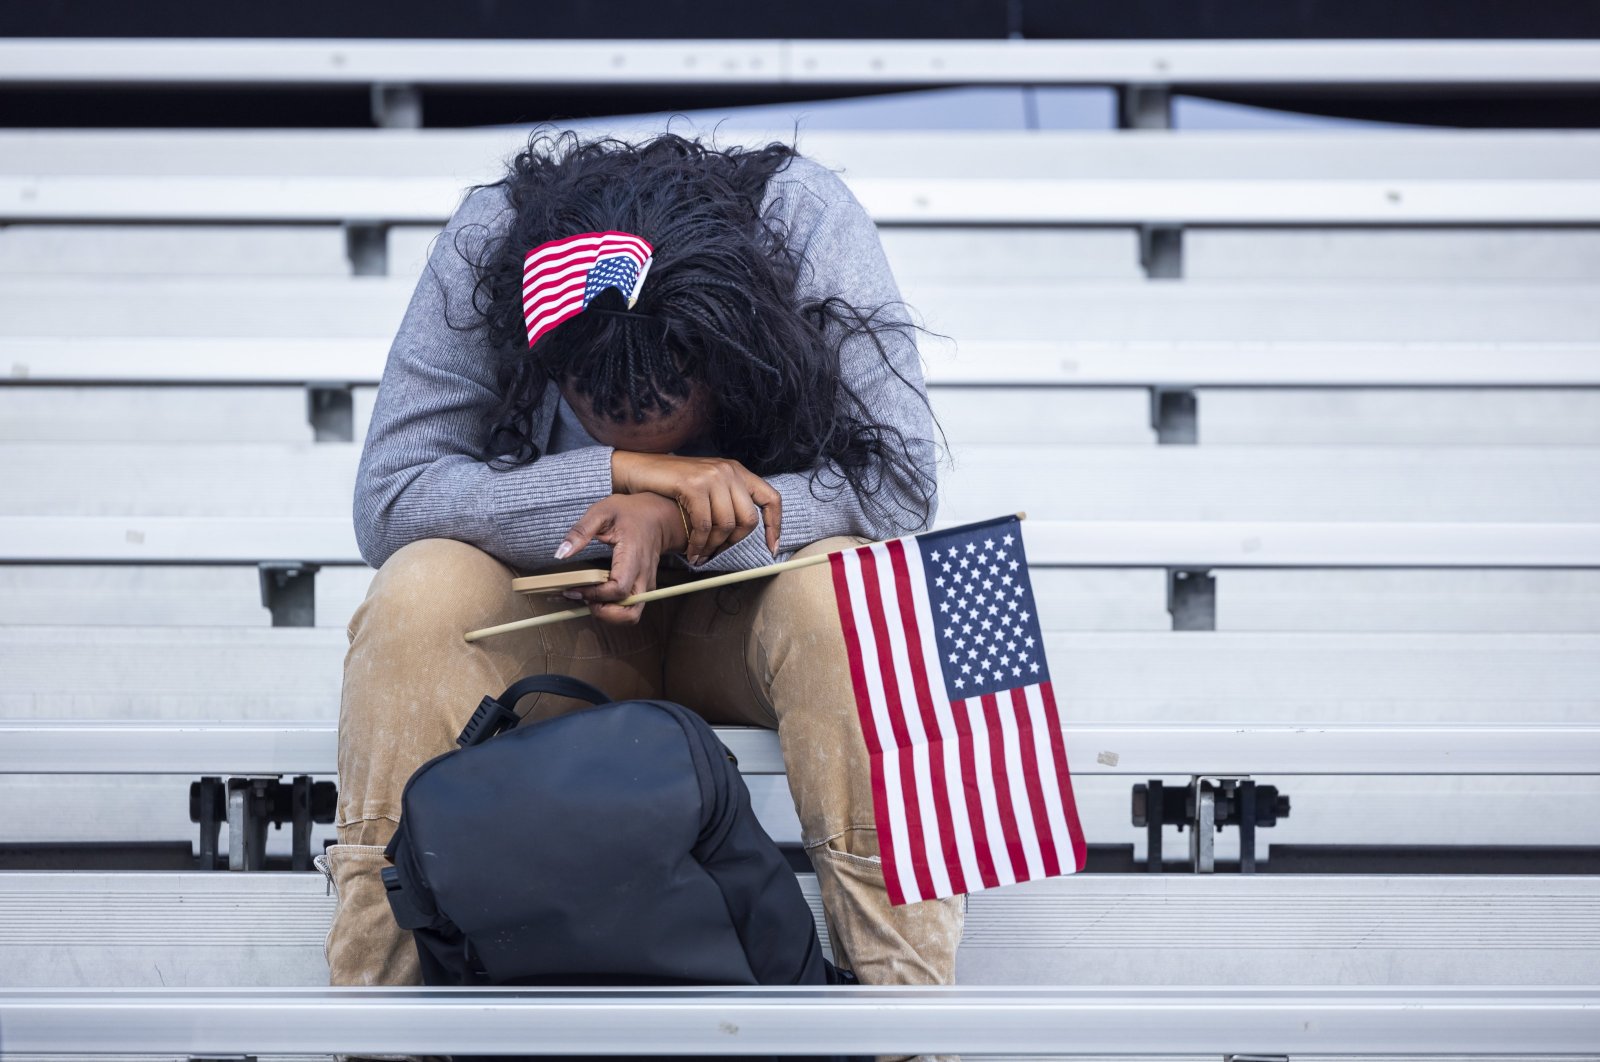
(1144, 107)
(396, 106)
(1205, 806)
(1161, 251)
(208, 805)
(331, 411)
(367, 247)
(289, 592)
(1175, 416)
(1192, 599)
(250, 805)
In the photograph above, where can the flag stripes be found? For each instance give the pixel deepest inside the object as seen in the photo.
(969, 793)
(560, 277)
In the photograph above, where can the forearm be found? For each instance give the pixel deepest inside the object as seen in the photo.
(520, 515)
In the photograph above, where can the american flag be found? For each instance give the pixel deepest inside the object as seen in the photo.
(561, 277)
(969, 771)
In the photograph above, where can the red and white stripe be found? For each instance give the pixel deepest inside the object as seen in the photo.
(970, 793)
(554, 275)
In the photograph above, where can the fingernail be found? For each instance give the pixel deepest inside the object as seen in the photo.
(572, 595)
(563, 550)
(694, 562)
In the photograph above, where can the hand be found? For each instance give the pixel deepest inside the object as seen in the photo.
(639, 528)
(720, 498)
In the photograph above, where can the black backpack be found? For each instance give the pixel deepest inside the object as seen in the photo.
(614, 845)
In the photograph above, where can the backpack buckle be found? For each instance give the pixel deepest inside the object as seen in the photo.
(488, 719)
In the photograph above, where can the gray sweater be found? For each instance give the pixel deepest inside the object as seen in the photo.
(419, 476)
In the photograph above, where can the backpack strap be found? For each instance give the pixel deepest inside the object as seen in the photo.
(495, 714)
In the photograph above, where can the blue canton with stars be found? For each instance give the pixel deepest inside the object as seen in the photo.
(617, 271)
(985, 624)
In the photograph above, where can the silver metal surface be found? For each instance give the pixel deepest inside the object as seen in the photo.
(765, 62)
(1042, 363)
(1203, 830)
(1226, 749)
(206, 929)
(207, 539)
(1477, 322)
(927, 200)
(1059, 1022)
(1113, 679)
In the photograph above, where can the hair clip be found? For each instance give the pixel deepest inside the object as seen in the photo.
(560, 278)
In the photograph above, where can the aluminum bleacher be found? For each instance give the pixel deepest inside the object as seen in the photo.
(1305, 425)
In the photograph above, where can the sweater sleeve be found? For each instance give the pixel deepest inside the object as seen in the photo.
(845, 257)
(420, 475)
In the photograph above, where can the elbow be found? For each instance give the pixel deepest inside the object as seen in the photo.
(373, 539)
(376, 525)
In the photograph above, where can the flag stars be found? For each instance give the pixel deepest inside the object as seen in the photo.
(1008, 540)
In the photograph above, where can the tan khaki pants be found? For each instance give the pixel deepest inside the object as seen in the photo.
(765, 653)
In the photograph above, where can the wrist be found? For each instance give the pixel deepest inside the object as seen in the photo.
(669, 518)
(620, 467)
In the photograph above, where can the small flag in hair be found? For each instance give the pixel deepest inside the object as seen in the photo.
(560, 278)
(969, 771)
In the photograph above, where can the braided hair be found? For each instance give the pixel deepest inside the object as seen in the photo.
(719, 307)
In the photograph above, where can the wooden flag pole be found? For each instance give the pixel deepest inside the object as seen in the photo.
(668, 591)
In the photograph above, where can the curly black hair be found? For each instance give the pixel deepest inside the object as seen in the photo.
(719, 306)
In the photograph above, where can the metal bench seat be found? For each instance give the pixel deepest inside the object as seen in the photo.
(395, 156)
(264, 675)
(1068, 178)
(256, 311)
(1236, 484)
(1107, 363)
(1125, 1022)
(288, 748)
(1308, 64)
(129, 930)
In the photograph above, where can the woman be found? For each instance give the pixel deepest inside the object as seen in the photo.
(760, 400)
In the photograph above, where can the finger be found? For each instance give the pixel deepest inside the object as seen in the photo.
(770, 503)
(595, 521)
(724, 519)
(698, 508)
(747, 516)
(623, 615)
(637, 579)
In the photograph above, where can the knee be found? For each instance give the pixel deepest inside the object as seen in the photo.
(438, 583)
(802, 604)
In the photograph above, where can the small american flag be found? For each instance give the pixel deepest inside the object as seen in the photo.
(969, 771)
(561, 277)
